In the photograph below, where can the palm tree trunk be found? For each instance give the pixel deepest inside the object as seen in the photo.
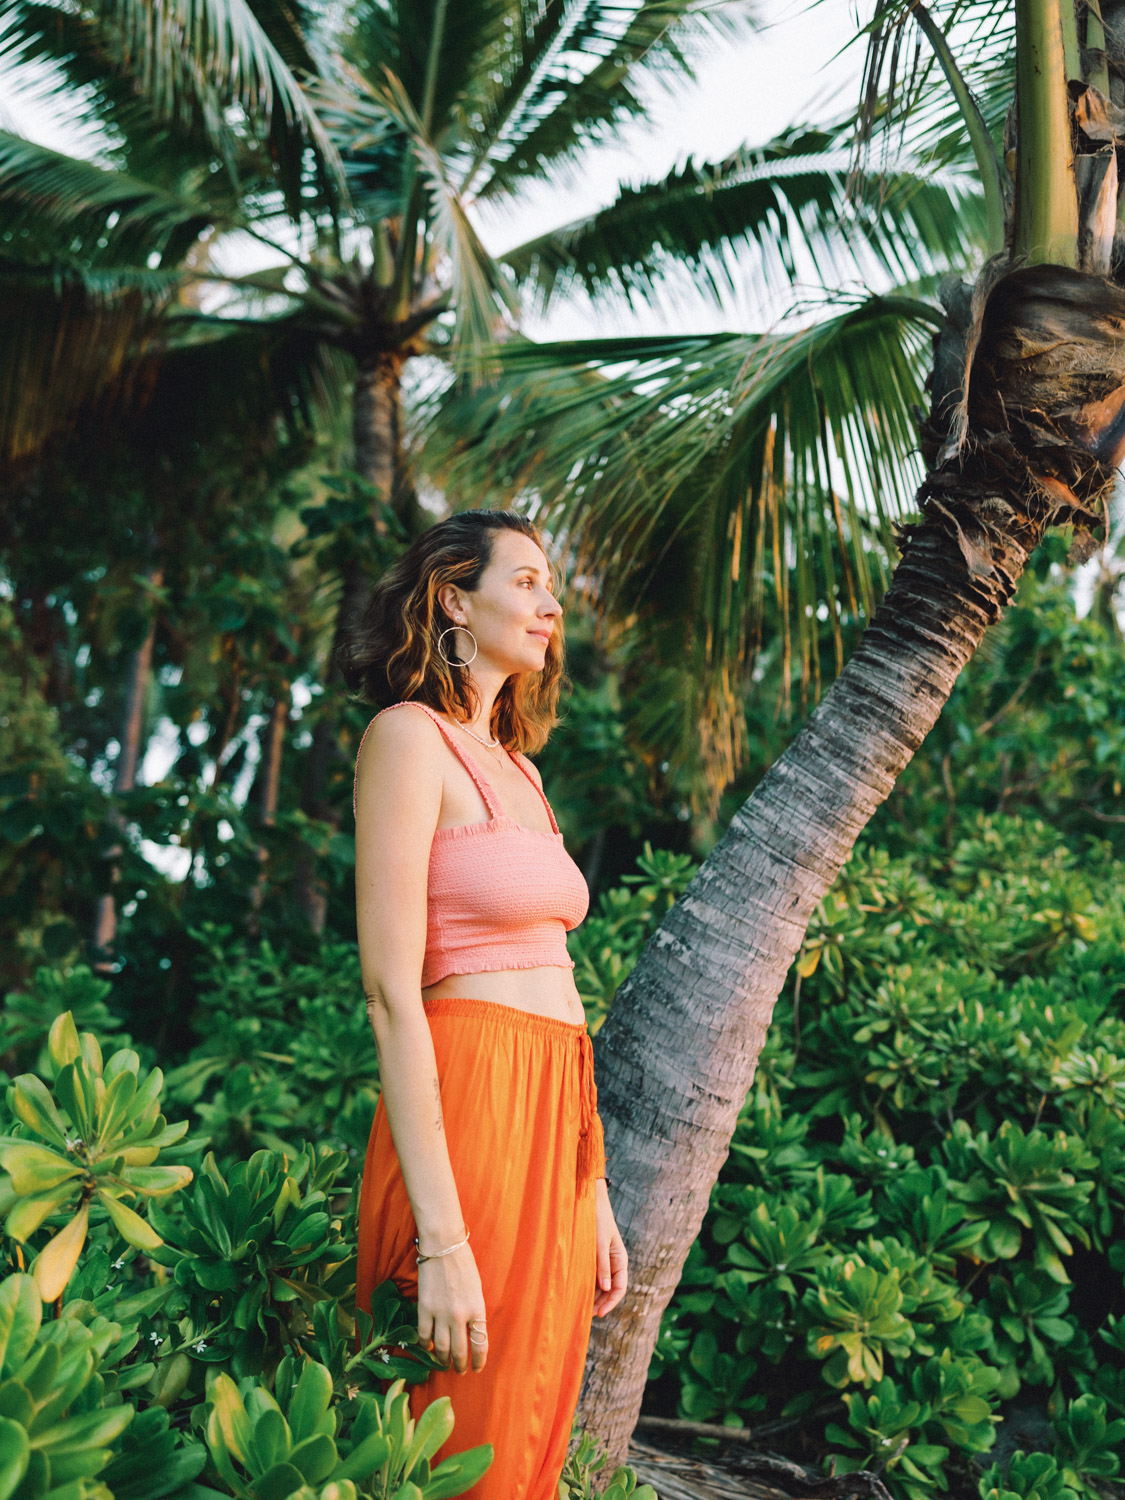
(377, 428)
(272, 741)
(125, 779)
(377, 441)
(678, 1049)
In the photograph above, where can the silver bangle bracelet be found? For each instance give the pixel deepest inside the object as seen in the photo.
(439, 1253)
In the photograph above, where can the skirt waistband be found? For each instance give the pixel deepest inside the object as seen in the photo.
(492, 1011)
(503, 1015)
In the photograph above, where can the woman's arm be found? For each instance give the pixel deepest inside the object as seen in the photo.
(398, 801)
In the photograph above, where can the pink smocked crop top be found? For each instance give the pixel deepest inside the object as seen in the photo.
(499, 895)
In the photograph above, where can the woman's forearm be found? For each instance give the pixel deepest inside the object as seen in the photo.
(412, 1100)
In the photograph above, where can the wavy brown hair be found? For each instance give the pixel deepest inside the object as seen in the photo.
(391, 653)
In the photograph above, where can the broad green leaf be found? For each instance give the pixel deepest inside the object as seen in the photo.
(34, 1107)
(114, 1112)
(456, 1474)
(31, 1211)
(366, 1458)
(431, 1430)
(15, 1452)
(308, 1411)
(158, 1182)
(228, 1418)
(315, 1458)
(20, 1318)
(278, 1482)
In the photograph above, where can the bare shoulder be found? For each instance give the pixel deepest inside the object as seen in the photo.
(532, 769)
(402, 752)
(398, 731)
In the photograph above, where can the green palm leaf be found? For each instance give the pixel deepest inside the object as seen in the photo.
(565, 75)
(109, 214)
(478, 292)
(792, 193)
(718, 491)
(190, 61)
(68, 343)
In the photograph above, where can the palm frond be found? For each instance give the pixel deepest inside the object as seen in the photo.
(70, 342)
(98, 214)
(478, 293)
(790, 201)
(908, 103)
(572, 77)
(192, 61)
(721, 494)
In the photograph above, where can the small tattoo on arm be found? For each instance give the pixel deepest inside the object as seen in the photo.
(437, 1100)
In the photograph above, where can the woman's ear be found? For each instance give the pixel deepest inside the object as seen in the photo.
(449, 602)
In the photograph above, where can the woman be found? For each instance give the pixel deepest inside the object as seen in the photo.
(484, 1192)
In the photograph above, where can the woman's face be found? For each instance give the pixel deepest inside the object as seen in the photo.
(512, 612)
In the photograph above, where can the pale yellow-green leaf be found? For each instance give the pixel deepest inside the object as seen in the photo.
(62, 1040)
(26, 1217)
(35, 1169)
(806, 964)
(113, 1112)
(55, 1263)
(129, 1225)
(138, 1156)
(34, 1107)
(91, 1052)
(228, 1417)
(158, 1182)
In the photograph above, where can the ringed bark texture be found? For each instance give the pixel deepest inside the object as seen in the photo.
(1022, 438)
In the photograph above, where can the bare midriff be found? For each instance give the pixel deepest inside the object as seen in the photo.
(548, 990)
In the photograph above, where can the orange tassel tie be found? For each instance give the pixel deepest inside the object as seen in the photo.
(591, 1136)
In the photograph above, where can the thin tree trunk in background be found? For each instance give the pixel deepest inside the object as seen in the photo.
(1033, 443)
(272, 741)
(377, 440)
(234, 708)
(125, 779)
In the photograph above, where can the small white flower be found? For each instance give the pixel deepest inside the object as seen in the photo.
(385, 1356)
(117, 1264)
(199, 1348)
(155, 1337)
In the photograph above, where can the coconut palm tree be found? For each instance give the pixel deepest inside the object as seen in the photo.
(360, 184)
(1023, 431)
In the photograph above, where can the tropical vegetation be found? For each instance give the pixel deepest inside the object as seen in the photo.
(207, 465)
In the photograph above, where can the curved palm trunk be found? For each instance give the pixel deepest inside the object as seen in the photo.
(679, 1047)
(377, 440)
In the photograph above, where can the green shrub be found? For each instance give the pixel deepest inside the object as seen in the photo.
(935, 1137)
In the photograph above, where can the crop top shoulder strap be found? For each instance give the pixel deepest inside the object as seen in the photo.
(474, 771)
(522, 761)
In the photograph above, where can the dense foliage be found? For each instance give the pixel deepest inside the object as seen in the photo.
(911, 1261)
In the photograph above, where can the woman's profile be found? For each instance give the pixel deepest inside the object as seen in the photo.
(484, 1193)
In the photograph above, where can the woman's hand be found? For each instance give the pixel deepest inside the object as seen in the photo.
(613, 1259)
(449, 1298)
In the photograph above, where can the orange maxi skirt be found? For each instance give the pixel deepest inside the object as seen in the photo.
(525, 1144)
